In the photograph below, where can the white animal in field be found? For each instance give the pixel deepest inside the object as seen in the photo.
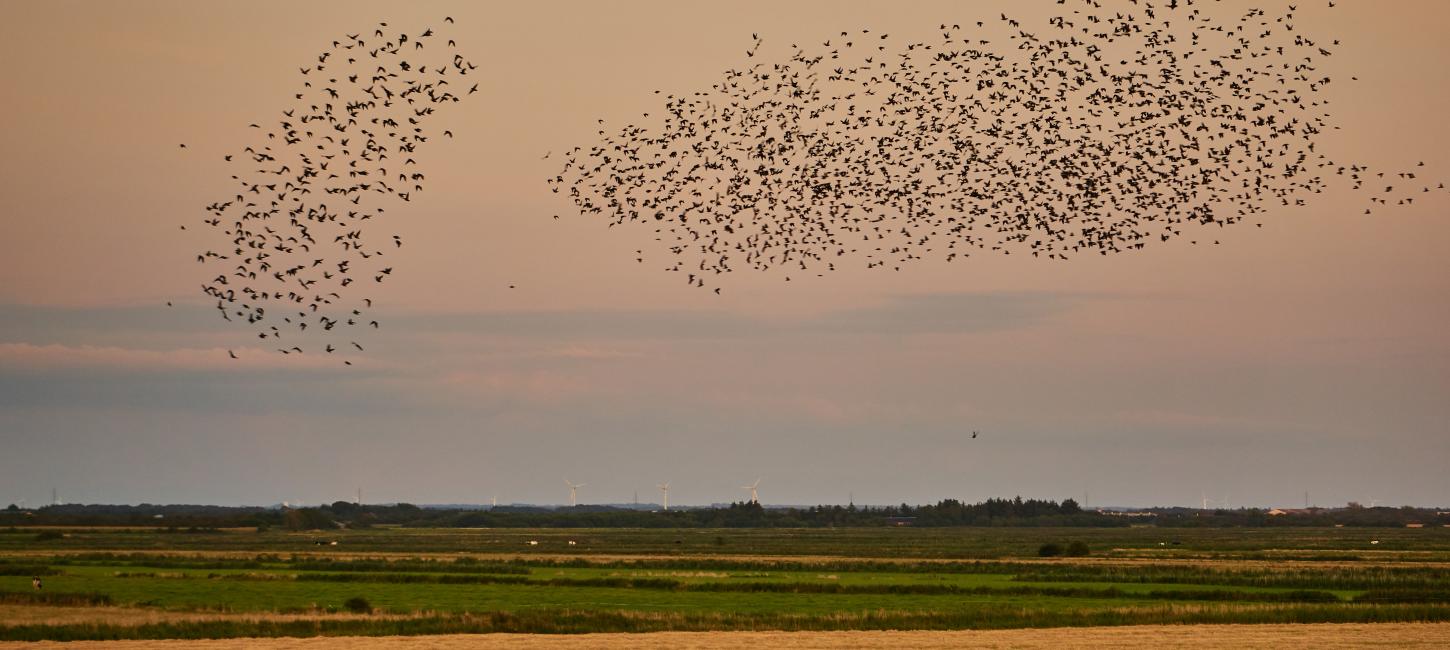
(573, 543)
(533, 542)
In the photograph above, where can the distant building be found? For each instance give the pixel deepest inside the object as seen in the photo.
(901, 521)
(1293, 511)
(1128, 513)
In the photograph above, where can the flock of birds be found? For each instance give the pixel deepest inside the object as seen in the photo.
(1098, 132)
(296, 250)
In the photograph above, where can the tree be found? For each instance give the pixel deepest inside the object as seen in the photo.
(343, 508)
(308, 519)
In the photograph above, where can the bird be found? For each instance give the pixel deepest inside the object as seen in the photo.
(286, 253)
(942, 148)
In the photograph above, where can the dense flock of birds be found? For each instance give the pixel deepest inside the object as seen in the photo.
(297, 253)
(1098, 132)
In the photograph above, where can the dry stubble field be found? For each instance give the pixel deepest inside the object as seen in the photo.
(1318, 636)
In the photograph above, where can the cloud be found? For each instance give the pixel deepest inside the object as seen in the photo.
(952, 312)
(27, 356)
(946, 313)
(196, 326)
(588, 353)
(530, 385)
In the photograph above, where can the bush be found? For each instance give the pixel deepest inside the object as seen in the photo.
(48, 535)
(358, 605)
(1077, 549)
(1050, 549)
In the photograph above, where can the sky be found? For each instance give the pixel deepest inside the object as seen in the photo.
(1306, 356)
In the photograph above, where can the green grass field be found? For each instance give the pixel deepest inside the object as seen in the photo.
(419, 581)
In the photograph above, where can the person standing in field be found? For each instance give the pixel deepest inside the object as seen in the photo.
(35, 582)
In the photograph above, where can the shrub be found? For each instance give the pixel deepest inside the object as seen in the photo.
(1050, 549)
(1078, 548)
(358, 605)
(47, 535)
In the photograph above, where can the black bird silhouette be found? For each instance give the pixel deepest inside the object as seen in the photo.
(289, 249)
(1099, 132)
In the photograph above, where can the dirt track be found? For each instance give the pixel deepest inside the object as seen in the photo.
(1384, 635)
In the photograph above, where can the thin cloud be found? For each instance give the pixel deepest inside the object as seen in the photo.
(27, 356)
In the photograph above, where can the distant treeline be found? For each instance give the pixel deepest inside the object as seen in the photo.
(992, 512)
(949, 512)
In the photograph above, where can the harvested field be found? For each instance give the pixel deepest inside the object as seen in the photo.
(1318, 636)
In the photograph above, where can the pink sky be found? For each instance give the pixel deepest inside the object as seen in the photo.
(1307, 354)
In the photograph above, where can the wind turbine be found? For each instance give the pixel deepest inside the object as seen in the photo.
(573, 492)
(665, 490)
(754, 496)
